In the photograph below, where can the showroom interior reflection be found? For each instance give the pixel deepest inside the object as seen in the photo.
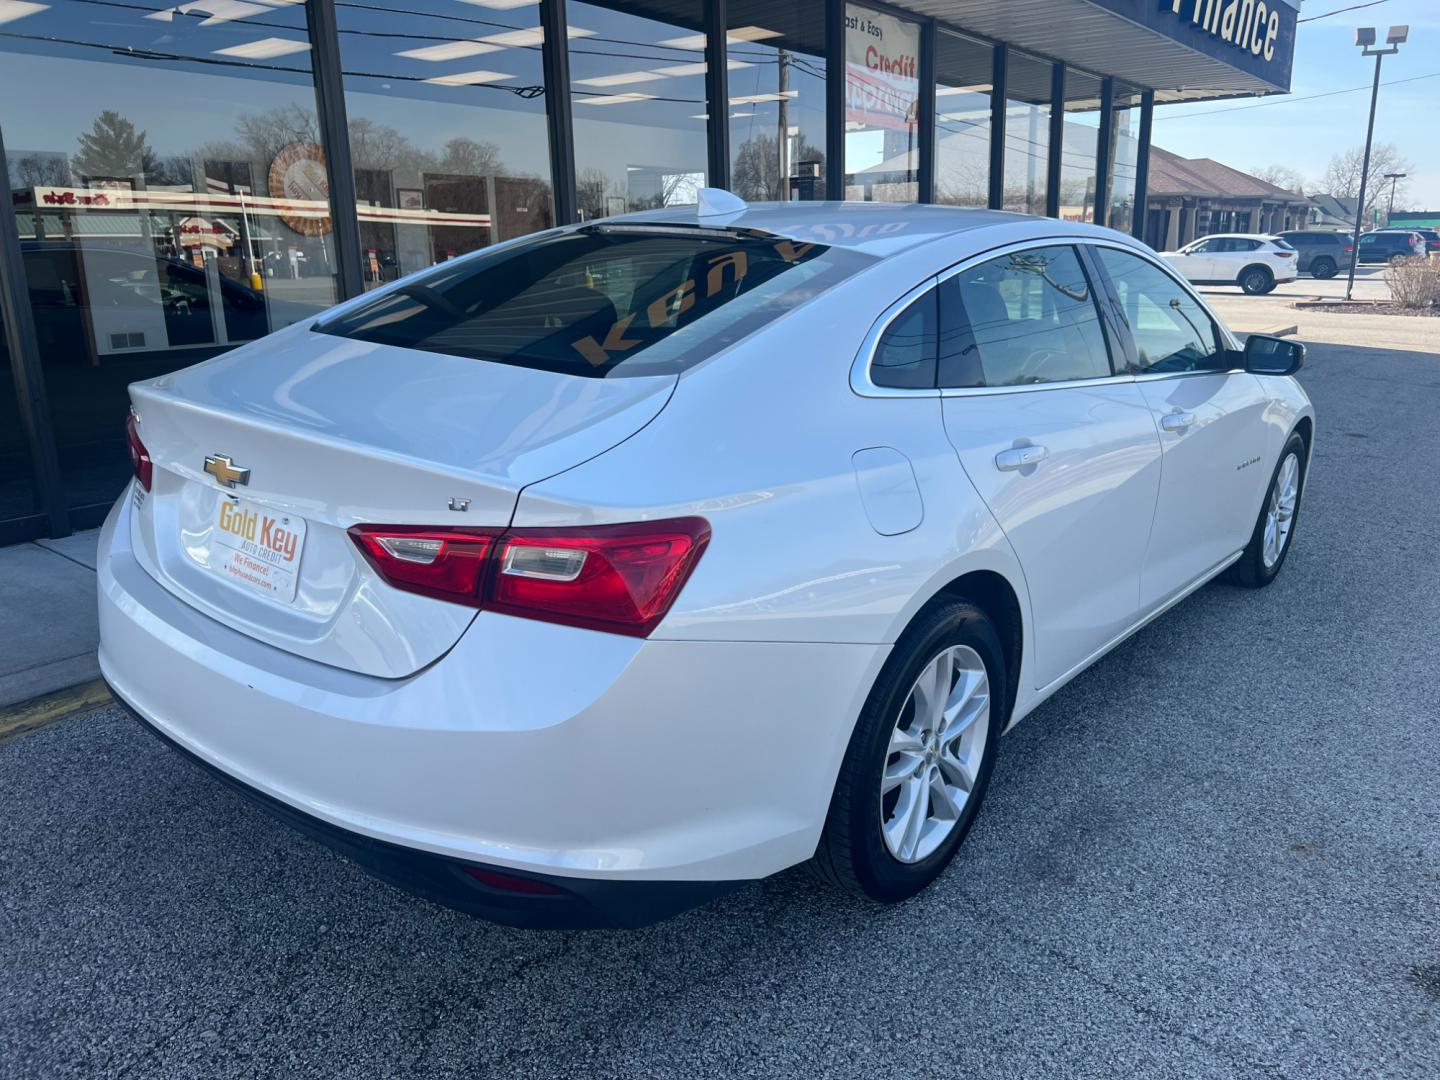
(963, 68)
(154, 236)
(1027, 133)
(637, 83)
(882, 106)
(1079, 150)
(777, 99)
(448, 135)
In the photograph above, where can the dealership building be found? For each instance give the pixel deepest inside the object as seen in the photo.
(186, 178)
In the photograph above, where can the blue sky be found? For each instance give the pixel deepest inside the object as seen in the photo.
(1304, 134)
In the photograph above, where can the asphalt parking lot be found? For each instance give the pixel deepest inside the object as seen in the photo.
(1217, 853)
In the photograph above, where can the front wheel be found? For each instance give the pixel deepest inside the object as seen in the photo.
(1263, 557)
(1256, 280)
(920, 758)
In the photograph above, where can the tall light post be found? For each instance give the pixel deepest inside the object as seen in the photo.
(1394, 178)
(1365, 38)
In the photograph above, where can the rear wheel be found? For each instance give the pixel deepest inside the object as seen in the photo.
(920, 758)
(1397, 259)
(1256, 280)
(1270, 542)
(1323, 268)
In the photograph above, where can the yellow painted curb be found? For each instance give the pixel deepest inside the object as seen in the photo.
(37, 712)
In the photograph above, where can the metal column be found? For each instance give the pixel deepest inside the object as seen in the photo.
(1104, 151)
(555, 61)
(1142, 165)
(25, 362)
(1057, 141)
(717, 93)
(998, 90)
(335, 135)
(834, 99)
(926, 119)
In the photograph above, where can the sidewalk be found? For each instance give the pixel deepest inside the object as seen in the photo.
(47, 592)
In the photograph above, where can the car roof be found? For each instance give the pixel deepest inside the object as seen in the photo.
(1237, 236)
(876, 228)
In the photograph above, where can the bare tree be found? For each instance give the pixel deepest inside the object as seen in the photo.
(1342, 177)
(757, 175)
(1282, 176)
(44, 170)
(591, 186)
(472, 158)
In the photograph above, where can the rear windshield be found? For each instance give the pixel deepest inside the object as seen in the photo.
(621, 300)
(1282, 244)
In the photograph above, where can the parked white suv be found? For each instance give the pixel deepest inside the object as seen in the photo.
(1256, 263)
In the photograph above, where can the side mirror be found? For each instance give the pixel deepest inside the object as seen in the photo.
(1266, 355)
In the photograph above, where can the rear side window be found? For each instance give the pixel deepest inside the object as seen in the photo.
(603, 300)
(905, 354)
(1027, 317)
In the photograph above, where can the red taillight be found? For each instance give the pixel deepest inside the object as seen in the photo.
(140, 463)
(1286, 254)
(621, 578)
(448, 564)
(618, 578)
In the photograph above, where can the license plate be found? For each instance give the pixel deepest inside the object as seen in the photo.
(256, 548)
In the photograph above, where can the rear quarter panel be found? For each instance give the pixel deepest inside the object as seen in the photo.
(760, 440)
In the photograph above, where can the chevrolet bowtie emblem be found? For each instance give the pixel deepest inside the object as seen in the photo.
(225, 471)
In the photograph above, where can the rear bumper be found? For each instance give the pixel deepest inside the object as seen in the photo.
(566, 903)
(562, 754)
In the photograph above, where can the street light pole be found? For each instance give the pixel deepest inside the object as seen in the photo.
(1394, 178)
(1365, 38)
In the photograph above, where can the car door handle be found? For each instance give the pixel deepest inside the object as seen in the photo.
(1017, 457)
(1177, 421)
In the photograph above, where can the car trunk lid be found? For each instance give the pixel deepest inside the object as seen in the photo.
(308, 434)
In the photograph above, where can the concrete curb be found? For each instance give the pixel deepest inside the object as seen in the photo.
(19, 719)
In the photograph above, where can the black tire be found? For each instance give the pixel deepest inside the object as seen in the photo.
(1256, 280)
(1250, 571)
(1396, 259)
(852, 853)
(1323, 268)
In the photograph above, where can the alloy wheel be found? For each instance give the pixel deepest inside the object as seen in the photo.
(1280, 516)
(936, 747)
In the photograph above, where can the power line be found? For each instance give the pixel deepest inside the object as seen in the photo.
(1341, 11)
(1294, 100)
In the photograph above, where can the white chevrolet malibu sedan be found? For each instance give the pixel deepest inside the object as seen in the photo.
(582, 578)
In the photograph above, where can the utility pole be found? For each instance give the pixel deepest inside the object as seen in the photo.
(1365, 39)
(1394, 178)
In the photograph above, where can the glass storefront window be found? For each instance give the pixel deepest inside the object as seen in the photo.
(777, 99)
(637, 81)
(1125, 160)
(447, 129)
(962, 120)
(1079, 152)
(17, 480)
(1027, 133)
(882, 106)
(171, 199)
